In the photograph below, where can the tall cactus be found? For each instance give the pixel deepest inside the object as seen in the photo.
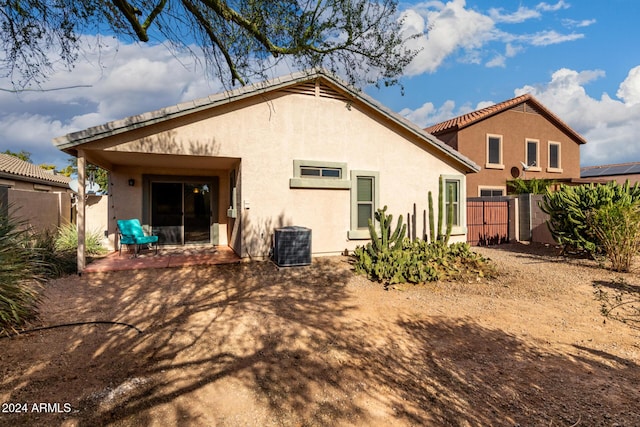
(440, 208)
(449, 217)
(387, 241)
(432, 231)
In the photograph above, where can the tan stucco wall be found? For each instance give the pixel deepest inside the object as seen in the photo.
(41, 210)
(126, 201)
(267, 135)
(98, 217)
(516, 127)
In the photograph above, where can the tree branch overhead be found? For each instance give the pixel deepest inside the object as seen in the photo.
(359, 39)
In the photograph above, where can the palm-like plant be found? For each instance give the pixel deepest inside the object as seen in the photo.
(22, 272)
(533, 186)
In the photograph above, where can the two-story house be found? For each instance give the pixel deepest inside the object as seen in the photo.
(517, 138)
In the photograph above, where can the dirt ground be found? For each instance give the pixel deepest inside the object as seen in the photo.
(253, 345)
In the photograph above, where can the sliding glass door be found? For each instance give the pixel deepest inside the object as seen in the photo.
(183, 212)
(197, 213)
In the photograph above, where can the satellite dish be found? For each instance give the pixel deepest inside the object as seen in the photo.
(515, 172)
(92, 188)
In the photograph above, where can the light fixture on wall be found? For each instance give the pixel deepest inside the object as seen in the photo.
(132, 182)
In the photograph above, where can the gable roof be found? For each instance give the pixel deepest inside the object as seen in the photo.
(13, 167)
(70, 142)
(610, 170)
(465, 120)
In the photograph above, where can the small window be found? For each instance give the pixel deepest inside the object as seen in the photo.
(365, 194)
(491, 192)
(324, 172)
(554, 155)
(319, 174)
(494, 152)
(532, 153)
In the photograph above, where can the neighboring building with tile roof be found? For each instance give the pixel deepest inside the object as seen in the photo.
(39, 198)
(21, 175)
(516, 138)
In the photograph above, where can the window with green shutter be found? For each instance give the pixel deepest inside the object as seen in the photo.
(365, 194)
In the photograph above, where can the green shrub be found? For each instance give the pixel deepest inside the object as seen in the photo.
(617, 228)
(67, 240)
(22, 272)
(569, 207)
(416, 261)
(59, 262)
(529, 186)
(420, 261)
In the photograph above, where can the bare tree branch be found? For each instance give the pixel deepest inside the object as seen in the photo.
(361, 39)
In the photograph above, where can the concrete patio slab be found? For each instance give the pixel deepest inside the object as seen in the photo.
(173, 257)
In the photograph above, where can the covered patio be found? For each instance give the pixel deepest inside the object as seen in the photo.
(182, 198)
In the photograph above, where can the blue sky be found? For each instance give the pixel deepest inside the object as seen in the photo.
(580, 58)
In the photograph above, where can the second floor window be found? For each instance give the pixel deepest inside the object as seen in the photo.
(532, 152)
(494, 150)
(554, 155)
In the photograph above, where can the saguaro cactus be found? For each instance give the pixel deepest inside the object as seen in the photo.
(387, 241)
(440, 236)
(432, 229)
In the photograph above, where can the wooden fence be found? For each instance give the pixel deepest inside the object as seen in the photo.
(487, 221)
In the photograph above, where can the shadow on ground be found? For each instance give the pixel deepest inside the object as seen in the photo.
(251, 344)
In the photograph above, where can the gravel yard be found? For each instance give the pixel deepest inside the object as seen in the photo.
(253, 345)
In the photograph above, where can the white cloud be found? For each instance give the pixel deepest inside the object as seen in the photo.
(629, 90)
(123, 80)
(497, 61)
(449, 27)
(521, 15)
(428, 114)
(552, 7)
(572, 23)
(546, 38)
(609, 125)
(510, 50)
(443, 30)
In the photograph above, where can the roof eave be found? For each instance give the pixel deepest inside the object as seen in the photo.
(70, 142)
(74, 139)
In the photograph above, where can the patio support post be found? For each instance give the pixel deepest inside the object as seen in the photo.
(81, 210)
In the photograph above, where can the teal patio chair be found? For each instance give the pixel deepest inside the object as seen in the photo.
(131, 233)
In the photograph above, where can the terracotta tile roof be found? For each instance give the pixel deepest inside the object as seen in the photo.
(11, 165)
(468, 119)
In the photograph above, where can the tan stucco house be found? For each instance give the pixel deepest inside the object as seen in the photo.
(304, 150)
(517, 138)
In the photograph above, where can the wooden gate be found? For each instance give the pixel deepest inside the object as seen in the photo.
(487, 221)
